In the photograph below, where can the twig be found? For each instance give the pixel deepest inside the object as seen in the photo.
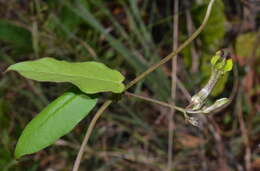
(190, 28)
(244, 133)
(90, 50)
(35, 38)
(173, 89)
(180, 109)
(184, 91)
(136, 80)
(214, 128)
(88, 133)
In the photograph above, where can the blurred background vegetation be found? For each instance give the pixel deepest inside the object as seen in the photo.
(130, 35)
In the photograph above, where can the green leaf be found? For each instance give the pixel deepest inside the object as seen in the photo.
(214, 59)
(89, 77)
(213, 33)
(228, 65)
(157, 81)
(220, 65)
(56, 120)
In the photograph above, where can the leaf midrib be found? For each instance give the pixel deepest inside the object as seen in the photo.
(117, 82)
(57, 110)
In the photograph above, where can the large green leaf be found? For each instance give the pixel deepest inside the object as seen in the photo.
(56, 120)
(89, 77)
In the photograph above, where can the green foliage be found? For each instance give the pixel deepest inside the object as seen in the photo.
(56, 120)
(126, 44)
(224, 66)
(16, 36)
(219, 66)
(220, 63)
(214, 31)
(214, 59)
(210, 38)
(89, 77)
(228, 66)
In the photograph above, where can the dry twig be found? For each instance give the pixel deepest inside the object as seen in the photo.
(173, 89)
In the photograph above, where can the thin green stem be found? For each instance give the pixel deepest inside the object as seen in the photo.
(156, 101)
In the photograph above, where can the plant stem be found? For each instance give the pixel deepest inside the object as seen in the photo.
(173, 86)
(137, 79)
(180, 109)
(88, 133)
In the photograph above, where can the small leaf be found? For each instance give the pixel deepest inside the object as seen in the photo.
(56, 120)
(214, 59)
(89, 77)
(228, 65)
(220, 65)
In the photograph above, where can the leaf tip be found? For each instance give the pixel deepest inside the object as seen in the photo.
(10, 68)
(120, 88)
(17, 153)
